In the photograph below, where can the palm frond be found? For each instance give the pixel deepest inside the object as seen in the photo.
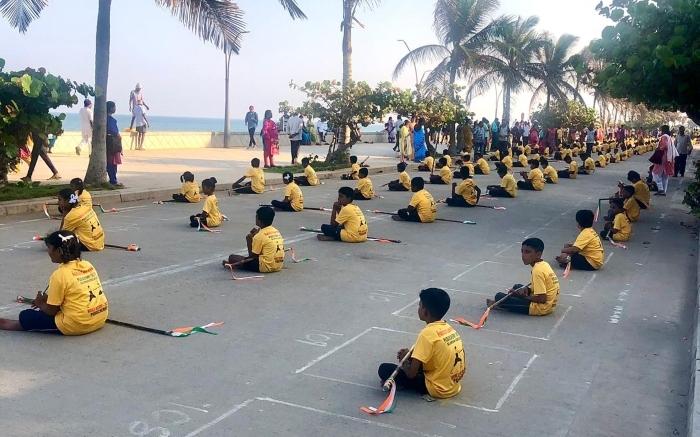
(293, 9)
(426, 53)
(482, 84)
(20, 13)
(539, 90)
(219, 22)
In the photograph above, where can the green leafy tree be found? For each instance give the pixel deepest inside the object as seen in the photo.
(652, 53)
(26, 97)
(554, 66)
(566, 114)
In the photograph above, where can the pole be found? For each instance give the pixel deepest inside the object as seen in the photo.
(227, 60)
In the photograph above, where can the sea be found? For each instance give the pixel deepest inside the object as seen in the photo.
(180, 124)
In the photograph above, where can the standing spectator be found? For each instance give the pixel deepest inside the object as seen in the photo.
(620, 135)
(270, 138)
(251, 121)
(397, 127)
(39, 150)
(295, 126)
(663, 168)
(85, 114)
(590, 138)
(479, 137)
(114, 145)
(419, 148)
(495, 129)
(141, 122)
(135, 99)
(321, 128)
(684, 146)
(468, 136)
(390, 130)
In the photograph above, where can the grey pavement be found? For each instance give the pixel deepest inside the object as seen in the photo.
(299, 349)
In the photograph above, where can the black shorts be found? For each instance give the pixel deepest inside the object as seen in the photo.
(252, 266)
(141, 129)
(579, 262)
(38, 321)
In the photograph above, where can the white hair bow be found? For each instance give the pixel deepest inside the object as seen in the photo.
(73, 199)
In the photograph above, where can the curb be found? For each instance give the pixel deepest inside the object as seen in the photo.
(693, 422)
(15, 207)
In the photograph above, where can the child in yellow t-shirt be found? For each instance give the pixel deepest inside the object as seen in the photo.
(348, 223)
(82, 220)
(446, 155)
(444, 177)
(365, 189)
(538, 298)
(309, 179)
(427, 164)
(210, 215)
(465, 194)
(74, 302)
(588, 166)
(508, 186)
(354, 170)
(403, 183)
(550, 173)
(189, 192)
(464, 162)
(571, 171)
(631, 206)
(522, 160)
(84, 197)
(421, 208)
(257, 180)
(620, 228)
(534, 179)
(438, 361)
(602, 161)
(293, 197)
(481, 166)
(586, 253)
(265, 246)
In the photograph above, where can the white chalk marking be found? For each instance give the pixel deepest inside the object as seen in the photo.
(517, 379)
(487, 410)
(608, 257)
(332, 351)
(392, 292)
(400, 310)
(558, 322)
(208, 425)
(342, 381)
(190, 407)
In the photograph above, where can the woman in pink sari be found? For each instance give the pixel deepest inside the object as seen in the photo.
(664, 170)
(270, 138)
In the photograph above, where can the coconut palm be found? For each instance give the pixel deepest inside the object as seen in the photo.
(463, 28)
(509, 61)
(554, 66)
(349, 10)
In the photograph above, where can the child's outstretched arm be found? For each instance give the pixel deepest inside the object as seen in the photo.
(239, 181)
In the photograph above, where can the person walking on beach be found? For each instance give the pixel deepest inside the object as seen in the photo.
(39, 150)
(135, 99)
(85, 115)
(251, 122)
(295, 126)
(685, 148)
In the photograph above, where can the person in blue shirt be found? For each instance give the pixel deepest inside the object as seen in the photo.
(114, 145)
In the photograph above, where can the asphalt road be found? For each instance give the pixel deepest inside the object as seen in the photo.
(299, 349)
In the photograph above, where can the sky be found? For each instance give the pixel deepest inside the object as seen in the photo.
(183, 76)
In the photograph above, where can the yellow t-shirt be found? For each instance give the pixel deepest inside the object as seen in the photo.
(537, 178)
(429, 162)
(589, 164)
(446, 175)
(83, 221)
(310, 174)
(618, 158)
(268, 244)
(573, 170)
(508, 162)
(296, 197)
(354, 224)
(366, 188)
(536, 157)
(449, 160)
(191, 192)
(467, 191)
(622, 155)
(483, 165)
(355, 171)
(527, 149)
(543, 280)
(624, 227)
(508, 183)
(602, 161)
(85, 199)
(425, 205)
(523, 160)
(551, 173)
(439, 347)
(405, 180)
(211, 207)
(257, 179)
(632, 209)
(470, 166)
(590, 247)
(75, 288)
(641, 192)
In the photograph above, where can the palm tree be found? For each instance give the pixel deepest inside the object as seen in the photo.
(509, 60)
(349, 10)
(216, 21)
(464, 30)
(554, 66)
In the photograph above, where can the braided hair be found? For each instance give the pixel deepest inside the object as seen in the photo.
(67, 244)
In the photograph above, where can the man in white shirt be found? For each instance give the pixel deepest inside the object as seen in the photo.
(294, 125)
(85, 115)
(135, 99)
(139, 118)
(684, 146)
(322, 127)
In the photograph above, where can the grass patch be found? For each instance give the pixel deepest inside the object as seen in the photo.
(318, 166)
(21, 190)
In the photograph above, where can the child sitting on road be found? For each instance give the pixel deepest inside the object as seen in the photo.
(309, 179)
(365, 189)
(448, 158)
(421, 208)
(445, 176)
(588, 167)
(265, 246)
(438, 361)
(82, 220)
(481, 165)
(586, 253)
(354, 170)
(507, 161)
(348, 223)
(508, 187)
(540, 297)
(465, 194)
(631, 206)
(620, 228)
(189, 192)
(210, 216)
(293, 197)
(257, 180)
(641, 189)
(534, 179)
(84, 197)
(74, 302)
(522, 160)
(464, 162)
(602, 161)
(550, 173)
(427, 164)
(403, 183)
(571, 172)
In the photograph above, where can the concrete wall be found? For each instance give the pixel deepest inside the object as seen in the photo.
(187, 140)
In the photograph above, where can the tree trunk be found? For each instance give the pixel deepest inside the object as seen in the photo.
(227, 60)
(506, 102)
(549, 97)
(347, 40)
(97, 168)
